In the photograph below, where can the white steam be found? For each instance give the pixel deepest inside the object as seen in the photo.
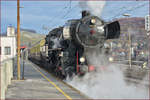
(56, 43)
(108, 83)
(95, 7)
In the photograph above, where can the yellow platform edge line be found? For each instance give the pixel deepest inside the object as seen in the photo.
(52, 83)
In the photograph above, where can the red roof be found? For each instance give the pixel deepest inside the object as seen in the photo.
(23, 47)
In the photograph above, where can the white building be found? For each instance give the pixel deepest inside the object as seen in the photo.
(8, 44)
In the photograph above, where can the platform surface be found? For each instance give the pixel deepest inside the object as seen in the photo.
(39, 84)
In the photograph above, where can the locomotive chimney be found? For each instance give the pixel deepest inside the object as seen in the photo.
(85, 13)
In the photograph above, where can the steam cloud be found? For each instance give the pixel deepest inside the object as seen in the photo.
(95, 7)
(56, 43)
(108, 83)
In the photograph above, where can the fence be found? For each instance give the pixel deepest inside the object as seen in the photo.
(6, 69)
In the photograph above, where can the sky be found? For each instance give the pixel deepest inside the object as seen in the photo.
(43, 16)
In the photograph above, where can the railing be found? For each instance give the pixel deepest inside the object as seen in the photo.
(6, 69)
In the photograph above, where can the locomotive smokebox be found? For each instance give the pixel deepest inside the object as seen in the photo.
(85, 13)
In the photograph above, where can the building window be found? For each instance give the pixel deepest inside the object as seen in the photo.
(7, 51)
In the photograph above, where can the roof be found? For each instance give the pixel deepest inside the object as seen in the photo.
(23, 47)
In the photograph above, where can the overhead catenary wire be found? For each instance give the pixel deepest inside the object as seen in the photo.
(70, 8)
(128, 10)
(61, 11)
(52, 21)
(55, 23)
(53, 18)
(69, 11)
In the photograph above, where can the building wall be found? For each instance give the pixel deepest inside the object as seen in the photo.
(8, 41)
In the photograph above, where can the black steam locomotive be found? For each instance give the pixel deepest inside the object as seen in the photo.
(67, 46)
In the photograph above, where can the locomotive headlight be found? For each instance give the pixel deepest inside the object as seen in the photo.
(142, 53)
(82, 59)
(93, 21)
(111, 59)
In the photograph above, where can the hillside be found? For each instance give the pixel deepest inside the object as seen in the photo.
(135, 25)
(29, 38)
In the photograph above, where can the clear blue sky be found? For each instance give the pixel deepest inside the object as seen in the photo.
(39, 15)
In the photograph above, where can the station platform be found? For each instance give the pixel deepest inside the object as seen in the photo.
(39, 84)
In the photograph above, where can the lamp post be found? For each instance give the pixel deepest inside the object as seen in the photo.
(129, 42)
(148, 36)
(147, 28)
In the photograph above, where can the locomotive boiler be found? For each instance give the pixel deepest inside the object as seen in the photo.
(65, 48)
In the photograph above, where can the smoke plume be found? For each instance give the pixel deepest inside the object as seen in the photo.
(108, 83)
(56, 43)
(95, 7)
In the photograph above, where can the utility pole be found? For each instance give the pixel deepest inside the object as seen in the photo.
(147, 28)
(129, 42)
(18, 39)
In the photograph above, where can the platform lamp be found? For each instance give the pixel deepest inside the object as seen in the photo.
(129, 42)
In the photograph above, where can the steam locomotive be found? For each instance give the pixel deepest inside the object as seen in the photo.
(64, 50)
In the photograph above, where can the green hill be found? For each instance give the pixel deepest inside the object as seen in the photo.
(29, 38)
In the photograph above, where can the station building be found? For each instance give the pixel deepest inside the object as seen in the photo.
(8, 44)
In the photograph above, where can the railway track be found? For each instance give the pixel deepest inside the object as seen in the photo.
(136, 74)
